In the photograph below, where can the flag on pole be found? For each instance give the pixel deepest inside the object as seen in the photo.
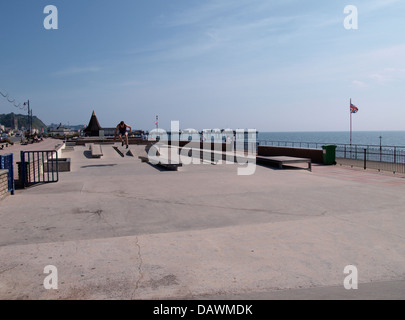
(353, 108)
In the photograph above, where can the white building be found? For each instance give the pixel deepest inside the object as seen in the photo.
(60, 130)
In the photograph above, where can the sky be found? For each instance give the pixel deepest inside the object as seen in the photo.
(270, 65)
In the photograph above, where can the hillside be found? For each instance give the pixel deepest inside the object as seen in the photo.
(22, 121)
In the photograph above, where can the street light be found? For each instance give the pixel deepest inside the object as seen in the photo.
(28, 104)
(29, 116)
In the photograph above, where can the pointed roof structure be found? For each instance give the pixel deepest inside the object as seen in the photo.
(93, 129)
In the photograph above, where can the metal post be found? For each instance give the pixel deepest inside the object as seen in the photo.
(29, 127)
(395, 154)
(380, 149)
(31, 123)
(57, 166)
(365, 159)
(351, 122)
(11, 169)
(22, 169)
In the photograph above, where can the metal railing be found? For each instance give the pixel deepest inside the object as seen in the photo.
(292, 144)
(38, 167)
(382, 158)
(7, 163)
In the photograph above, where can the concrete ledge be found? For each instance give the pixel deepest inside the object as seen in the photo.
(88, 140)
(68, 149)
(315, 155)
(216, 156)
(164, 162)
(59, 149)
(281, 161)
(63, 165)
(96, 151)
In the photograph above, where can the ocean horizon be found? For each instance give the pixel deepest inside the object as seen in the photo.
(388, 138)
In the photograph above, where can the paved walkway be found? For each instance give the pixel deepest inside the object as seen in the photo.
(117, 228)
(45, 145)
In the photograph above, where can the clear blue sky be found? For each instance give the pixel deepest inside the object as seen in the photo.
(282, 65)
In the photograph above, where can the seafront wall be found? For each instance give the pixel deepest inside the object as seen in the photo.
(3, 183)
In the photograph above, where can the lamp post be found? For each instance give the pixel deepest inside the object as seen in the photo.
(29, 115)
(31, 127)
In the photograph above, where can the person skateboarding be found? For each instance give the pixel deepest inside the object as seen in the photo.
(121, 129)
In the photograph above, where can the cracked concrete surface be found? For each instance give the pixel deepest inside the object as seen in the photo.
(117, 228)
(140, 262)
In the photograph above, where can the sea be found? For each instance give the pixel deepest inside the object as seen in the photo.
(367, 138)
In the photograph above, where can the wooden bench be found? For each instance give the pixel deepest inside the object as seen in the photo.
(96, 151)
(164, 162)
(283, 160)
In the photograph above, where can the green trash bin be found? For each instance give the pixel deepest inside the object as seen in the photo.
(329, 154)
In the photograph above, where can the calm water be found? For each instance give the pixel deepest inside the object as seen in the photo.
(389, 138)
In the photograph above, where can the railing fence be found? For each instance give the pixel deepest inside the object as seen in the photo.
(383, 158)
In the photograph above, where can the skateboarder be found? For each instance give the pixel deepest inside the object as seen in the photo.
(122, 131)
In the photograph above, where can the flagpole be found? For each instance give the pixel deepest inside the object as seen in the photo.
(351, 123)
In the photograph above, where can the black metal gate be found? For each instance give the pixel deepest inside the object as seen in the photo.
(38, 167)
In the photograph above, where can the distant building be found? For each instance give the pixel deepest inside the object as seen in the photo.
(93, 129)
(59, 131)
(110, 132)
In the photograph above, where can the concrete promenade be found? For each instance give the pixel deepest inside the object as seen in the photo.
(117, 228)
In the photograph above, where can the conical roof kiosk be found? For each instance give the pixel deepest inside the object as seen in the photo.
(93, 129)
